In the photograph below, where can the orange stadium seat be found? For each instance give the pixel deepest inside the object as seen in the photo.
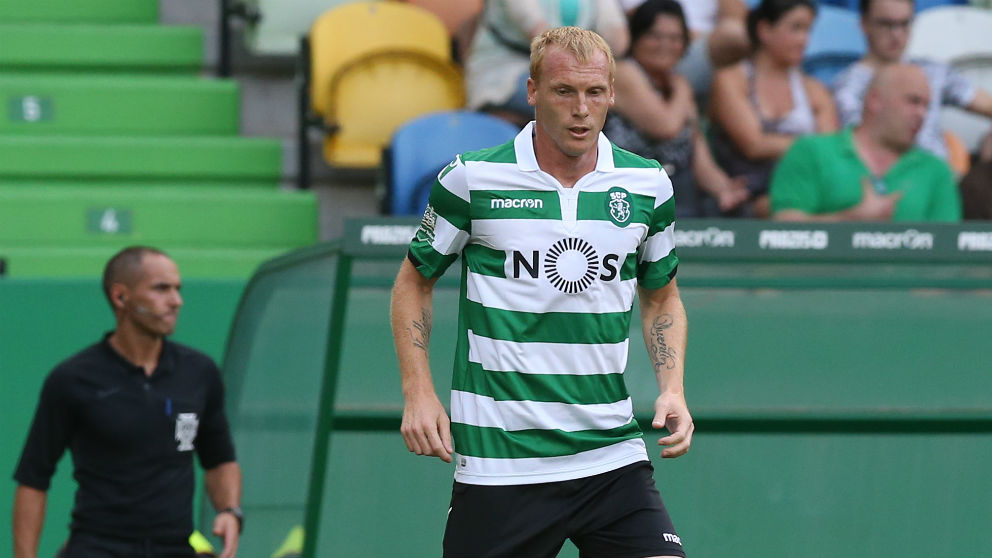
(373, 66)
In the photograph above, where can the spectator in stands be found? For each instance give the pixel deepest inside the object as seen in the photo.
(132, 409)
(760, 106)
(718, 38)
(872, 172)
(976, 186)
(886, 25)
(655, 115)
(499, 61)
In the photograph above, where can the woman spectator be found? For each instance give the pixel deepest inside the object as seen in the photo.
(759, 106)
(655, 114)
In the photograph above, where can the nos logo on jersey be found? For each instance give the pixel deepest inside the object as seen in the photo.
(619, 206)
(571, 265)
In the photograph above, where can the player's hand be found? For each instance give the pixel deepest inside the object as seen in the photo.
(226, 527)
(671, 412)
(426, 428)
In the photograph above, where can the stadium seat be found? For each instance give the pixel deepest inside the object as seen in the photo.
(81, 215)
(281, 23)
(951, 34)
(44, 47)
(88, 261)
(373, 66)
(208, 160)
(959, 36)
(922, 5)
(43, 104)
(80, 11)
(835, 42)
(423, 146)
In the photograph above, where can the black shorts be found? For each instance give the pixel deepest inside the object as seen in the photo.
(618, 514)
(82, 544)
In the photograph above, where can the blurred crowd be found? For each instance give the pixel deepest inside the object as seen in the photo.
(714, 90)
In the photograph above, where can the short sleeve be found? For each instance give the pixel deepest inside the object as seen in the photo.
(958, 90)
(446, 225)
(849, 93)
(657, 261)
(795, 180)
(214, 445)
(50, 434)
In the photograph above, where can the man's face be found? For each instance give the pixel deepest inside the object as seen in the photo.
(903, 107)
(570, 100)
(153, 301)
(886, 27)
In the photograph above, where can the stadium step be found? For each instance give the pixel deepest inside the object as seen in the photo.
(29, 47)
(222, 263)
(78, 11)
(116, 104)
(74, 159)
(65, 216)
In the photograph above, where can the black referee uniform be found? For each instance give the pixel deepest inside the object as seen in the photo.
(132, 439)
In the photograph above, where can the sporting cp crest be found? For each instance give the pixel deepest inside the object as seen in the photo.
(619, 205)
(186, 425)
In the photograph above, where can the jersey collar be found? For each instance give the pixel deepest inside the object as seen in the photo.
(523, 146)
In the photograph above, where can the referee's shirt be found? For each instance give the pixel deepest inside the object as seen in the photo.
(132, 438)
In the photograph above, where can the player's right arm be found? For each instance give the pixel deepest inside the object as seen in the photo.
(426, 428)
(29, 515)
(51, 431)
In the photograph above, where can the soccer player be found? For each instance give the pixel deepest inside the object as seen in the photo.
(557, 230)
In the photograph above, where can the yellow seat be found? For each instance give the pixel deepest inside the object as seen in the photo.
(373, 67)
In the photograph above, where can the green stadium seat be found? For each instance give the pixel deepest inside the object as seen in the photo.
(75, 216)
(118, 104)
(75, 159)
(79, 11)
(100, 48)
(62, 262)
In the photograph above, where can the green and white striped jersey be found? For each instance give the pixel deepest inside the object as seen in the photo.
(548, 282)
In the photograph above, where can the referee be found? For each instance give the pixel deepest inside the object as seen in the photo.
(132, 409)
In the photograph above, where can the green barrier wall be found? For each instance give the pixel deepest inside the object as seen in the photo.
(42, 322)
(837, 375)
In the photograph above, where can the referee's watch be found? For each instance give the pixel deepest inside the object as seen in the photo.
(238, 514)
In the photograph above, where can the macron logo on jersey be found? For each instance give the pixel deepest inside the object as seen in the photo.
(526, 203)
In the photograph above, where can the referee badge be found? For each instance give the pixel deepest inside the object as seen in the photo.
(186, 425)
(618, 203)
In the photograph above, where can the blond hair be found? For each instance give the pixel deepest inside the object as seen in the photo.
(581, 43)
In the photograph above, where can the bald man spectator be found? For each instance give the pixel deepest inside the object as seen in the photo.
(886, 25)
(873, 172)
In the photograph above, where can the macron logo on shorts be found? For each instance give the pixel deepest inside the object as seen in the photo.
(672, 538)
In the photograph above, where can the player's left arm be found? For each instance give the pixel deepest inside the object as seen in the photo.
(665, 328)
(223, 483)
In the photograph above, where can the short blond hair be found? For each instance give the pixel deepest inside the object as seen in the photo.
(581, 43)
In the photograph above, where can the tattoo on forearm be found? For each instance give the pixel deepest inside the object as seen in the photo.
(662, 356)
(420, 333)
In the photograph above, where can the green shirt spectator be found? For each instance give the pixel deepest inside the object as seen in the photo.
(824, 174)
